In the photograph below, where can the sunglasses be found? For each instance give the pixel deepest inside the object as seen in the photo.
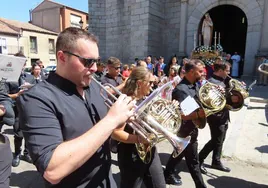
(87, 62)
(116, 68)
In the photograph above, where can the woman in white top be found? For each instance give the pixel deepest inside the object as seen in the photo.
(174, 77)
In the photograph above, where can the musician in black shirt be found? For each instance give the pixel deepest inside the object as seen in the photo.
(14, 90)
(218, 122)
(133, 170)
(113, 75)
(188, 87)
(65, 121)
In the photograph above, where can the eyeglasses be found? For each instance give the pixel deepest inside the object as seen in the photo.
(87, 62)
(116, 68)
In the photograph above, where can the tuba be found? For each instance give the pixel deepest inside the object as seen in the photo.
(156, 119)
(211, 100)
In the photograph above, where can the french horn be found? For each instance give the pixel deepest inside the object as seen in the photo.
(261, 67)
(238, 89)
(156, 119)
(211, 100)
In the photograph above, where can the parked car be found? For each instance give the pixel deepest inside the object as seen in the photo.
(28, 69)
(51, 68)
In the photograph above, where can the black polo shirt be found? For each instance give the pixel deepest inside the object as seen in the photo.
(52, 112)
(181, 92)
(223, 116)
(109, 79)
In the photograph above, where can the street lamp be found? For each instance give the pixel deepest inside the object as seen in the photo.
(81, 23)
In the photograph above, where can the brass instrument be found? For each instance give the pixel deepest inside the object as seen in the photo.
(156, 119)
(212, 100)
(237, 88)
(260, 68)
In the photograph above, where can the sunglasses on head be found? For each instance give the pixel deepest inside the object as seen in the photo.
(87, 62)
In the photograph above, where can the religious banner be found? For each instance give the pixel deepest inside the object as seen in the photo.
(10, 67)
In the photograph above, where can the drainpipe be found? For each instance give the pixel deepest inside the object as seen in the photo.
(19, 36)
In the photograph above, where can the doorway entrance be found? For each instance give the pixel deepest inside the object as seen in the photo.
(232, 24)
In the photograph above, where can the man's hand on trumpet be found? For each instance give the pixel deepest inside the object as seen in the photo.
(121, 110)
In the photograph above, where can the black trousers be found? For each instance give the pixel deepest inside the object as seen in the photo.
(191, 156)
(18, 136)
(134, 172)
(218, 133)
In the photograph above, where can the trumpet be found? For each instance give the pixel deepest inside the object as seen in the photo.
(156, 119)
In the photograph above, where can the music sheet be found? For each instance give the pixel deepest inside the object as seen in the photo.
(10, 67)
(188, 105)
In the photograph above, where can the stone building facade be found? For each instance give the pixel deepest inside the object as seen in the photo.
(136, 28)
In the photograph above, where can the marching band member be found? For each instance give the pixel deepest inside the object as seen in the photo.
(188, 87)
(65, 121)
(133, 170)
(218, 123)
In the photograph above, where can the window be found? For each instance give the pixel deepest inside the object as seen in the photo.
(33, 44)
(51, 44)
(4, 43)
(74, 21)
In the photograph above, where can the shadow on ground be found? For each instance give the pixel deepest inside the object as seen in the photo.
(262, 149)
(180, 167)
(230, 182)
(27, 179)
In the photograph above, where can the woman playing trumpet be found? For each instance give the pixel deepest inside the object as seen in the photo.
(133, 170)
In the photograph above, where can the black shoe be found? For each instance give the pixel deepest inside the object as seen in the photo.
(203, 169)
(173, 179)
(27, 158)
(221, 167)
(16, 160)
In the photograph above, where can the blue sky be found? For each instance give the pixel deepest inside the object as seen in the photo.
(19, 9)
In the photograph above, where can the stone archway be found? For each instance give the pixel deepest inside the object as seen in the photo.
(254, 15)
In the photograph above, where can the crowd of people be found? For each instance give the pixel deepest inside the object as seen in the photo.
(69, 132)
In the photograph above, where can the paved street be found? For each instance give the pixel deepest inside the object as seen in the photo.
(245, 151)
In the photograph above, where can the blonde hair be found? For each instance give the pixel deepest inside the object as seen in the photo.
(125, 67)
(138, 73)
(132, 66)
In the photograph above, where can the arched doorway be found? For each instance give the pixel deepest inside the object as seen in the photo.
(232, 24)
(254, 15)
